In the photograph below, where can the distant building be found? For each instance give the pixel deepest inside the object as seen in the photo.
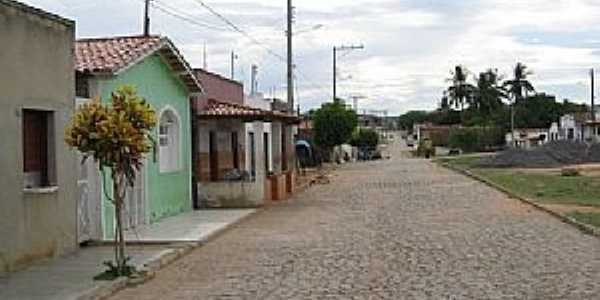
(527, 138)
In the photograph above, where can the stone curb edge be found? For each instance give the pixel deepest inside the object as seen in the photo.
(585, 228)
(149, 269)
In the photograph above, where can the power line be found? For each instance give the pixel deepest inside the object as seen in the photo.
(182, 16)
(239, 30)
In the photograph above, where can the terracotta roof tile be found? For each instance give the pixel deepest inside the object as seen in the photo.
(111, 55)
(217, 109)
(108, 55)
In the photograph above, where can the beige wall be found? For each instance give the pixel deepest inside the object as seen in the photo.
(36, 72)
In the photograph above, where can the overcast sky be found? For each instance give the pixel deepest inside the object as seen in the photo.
(410, 45)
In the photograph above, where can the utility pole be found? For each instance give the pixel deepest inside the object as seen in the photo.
(290, 60)
(334, 74)
(593, 110)
(147, 18)
(335, 50)
(512, 122)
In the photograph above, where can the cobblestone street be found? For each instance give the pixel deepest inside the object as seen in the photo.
(396, 229)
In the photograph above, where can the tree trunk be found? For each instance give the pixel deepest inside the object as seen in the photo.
(118, 195)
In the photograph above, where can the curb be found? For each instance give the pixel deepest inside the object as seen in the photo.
(148, 270)
(585, 228)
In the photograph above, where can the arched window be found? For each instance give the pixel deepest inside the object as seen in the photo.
(169, 141)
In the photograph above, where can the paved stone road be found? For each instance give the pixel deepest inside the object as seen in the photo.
(399, 229)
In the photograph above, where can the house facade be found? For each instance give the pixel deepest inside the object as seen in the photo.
(241, 150)
(37, 169)
(527, 138)
(154, 66)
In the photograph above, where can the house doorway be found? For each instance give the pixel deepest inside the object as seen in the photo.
(267, 151)
(252, 154)
(213, 156)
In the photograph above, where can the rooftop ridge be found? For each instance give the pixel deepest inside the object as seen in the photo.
(38, 11)
(120, 37)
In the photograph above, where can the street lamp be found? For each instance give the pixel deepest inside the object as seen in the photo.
(335, 50)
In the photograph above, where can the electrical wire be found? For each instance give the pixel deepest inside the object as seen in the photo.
(182, 16)
(240, 30)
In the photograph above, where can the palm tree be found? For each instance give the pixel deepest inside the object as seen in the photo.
(518, 88)
(489, 93)
(460, 91)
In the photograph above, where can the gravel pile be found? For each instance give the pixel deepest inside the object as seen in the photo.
(551, 155)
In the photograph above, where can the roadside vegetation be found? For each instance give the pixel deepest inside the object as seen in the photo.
(480, 108)
(577, 197)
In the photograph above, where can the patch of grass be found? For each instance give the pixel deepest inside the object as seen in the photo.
(461, 162)
(588, 218)
(548, 188)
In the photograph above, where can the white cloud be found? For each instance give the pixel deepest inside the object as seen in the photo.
(410, 45)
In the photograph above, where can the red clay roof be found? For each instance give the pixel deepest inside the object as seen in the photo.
(219, 88)
(111, 55)
(217, 109)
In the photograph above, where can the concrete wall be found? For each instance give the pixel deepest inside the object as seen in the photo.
(37, 73)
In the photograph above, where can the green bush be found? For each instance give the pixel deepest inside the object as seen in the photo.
(365, 138)
(426, 149)
(477, 139)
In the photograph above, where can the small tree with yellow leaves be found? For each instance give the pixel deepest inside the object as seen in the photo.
(117, 136)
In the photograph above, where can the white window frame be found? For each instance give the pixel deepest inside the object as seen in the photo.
(173, 163)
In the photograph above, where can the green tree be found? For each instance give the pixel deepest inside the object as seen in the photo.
(365, 138)
(407, 120)
(460, 92)
(333, 125)
(117, 136)
(489, 93)
(519, 87)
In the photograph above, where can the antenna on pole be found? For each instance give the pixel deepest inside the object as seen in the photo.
(147, 18)
(204, 65)
(233, 58)
(254, 80)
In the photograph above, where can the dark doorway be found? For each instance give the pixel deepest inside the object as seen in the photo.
(213, 156)
(252, 154)
(267, 149)
(235, 150)
(284, 158)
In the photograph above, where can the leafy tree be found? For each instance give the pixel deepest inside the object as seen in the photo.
(540, 110)
(117, 136)
(365, 138)
(407, 120)
(333, 124)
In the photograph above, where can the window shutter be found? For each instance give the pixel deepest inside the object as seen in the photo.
(34, 141)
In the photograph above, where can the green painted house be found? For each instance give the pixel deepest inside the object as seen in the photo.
(158, 71)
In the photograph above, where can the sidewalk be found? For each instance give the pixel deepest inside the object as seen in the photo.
(70, 277)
